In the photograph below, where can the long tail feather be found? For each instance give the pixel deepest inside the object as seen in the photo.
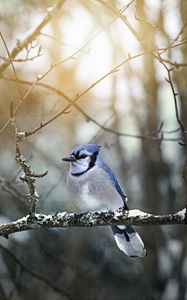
(129, 241)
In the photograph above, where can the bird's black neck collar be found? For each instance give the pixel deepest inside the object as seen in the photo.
(90, 166)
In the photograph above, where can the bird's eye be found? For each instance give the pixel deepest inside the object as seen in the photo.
(82, 156)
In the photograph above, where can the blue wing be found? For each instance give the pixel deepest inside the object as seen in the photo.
(113, 179)
(127, 239)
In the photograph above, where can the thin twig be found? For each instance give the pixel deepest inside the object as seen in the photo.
(28, 177)
(21, 60)
(149, 136)
(21, 44)
(72, 56)
(35, 274)
(66, 109)
(175, 94)
(53, 66)
(19, 104)
(171, 46)
(13, 68)
(174, 64)
(157, 56)
(63, 43)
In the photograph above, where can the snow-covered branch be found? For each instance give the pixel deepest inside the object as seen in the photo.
(89, 219)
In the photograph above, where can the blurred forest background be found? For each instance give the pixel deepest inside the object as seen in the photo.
(122, 63)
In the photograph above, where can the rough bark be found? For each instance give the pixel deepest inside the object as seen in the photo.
(89, 219)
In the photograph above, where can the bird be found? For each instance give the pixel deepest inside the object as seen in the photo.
(94, 187)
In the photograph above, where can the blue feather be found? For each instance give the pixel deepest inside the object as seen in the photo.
(100, 163)
(92, 148)
(82, 159)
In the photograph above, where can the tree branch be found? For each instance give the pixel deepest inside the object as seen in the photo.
(73, 101)
(35, 274)
(175, 94)
(90, 219)
(28, 176)
(158, 135)
(21, 44)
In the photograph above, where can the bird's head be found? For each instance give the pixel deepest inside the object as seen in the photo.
(82, 158)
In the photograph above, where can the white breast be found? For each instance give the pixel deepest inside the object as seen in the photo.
(93, 191)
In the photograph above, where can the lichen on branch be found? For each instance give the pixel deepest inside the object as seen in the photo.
(90, 219)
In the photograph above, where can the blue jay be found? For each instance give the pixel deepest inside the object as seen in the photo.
(94, 187)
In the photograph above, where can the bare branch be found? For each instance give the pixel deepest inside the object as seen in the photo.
(155, 136)
(22, 60)
(175, 100)
(53, 66)
(55, 39)
(174, 64)
(29, 176)
(124, 19)
(73, 55)
(164, 49)
(66, 109)
(35, 274)
(92, 219)
(11, 62)
(179, 33)
(21, 44)
(175, 94)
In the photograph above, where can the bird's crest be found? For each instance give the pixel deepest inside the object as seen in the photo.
(86, 148)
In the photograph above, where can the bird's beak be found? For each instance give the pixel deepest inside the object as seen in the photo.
(69, 159)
